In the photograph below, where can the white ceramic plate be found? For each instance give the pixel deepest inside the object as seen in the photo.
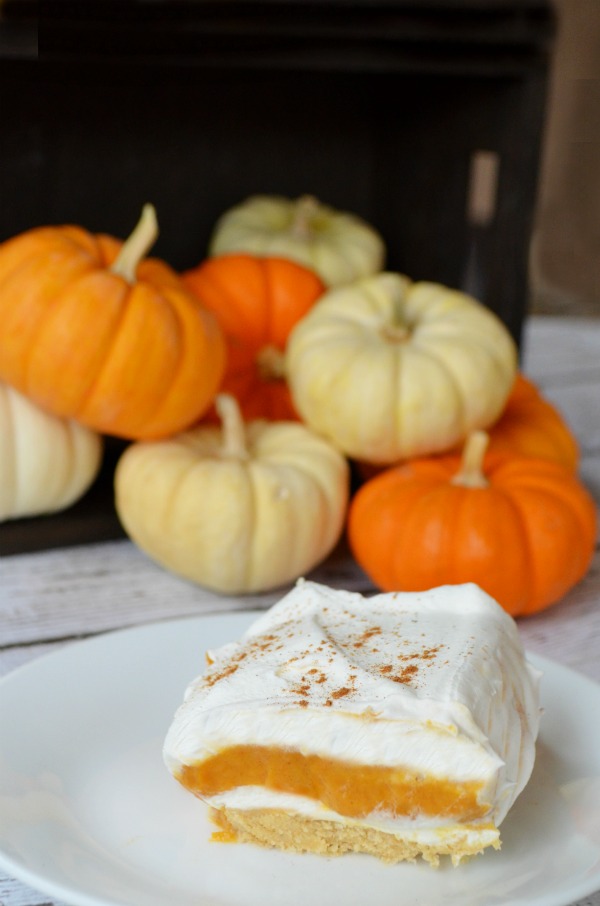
(88, 813)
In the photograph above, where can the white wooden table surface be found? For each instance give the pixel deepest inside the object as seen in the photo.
(50, 598)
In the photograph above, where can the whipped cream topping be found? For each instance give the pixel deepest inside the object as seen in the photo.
(434, 682)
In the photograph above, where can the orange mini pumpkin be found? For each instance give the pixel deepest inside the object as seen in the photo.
(89, 331)
(531, 426)
(257, 302)
(523, 529)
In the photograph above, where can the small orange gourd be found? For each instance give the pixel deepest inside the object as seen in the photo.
(257, 301)
(531, 426)
(90, 331)
(523, 529)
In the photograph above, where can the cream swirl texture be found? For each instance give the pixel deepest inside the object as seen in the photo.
(434, 682)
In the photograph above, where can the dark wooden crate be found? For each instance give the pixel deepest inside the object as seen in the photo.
(375, 107)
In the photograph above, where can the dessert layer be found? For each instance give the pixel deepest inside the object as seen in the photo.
(296, 833)
(414, 705)
(351, 790)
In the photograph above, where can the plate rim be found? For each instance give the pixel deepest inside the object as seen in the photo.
(77, 897)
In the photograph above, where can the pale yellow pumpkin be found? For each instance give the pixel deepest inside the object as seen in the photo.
(46, 463)
(340, 247)
(389, 369)
(238, 507)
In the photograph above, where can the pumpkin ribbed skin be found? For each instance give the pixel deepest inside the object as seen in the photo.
(257, 302)
(340, 247)
(46, 463)
(528, 426)
(238, 509)
(526, 538)
(137, 360)
(388, 369)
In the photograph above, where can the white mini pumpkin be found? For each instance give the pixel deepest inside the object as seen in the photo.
(46, 463)
(238, 508)
(389, 369)
(340, 247)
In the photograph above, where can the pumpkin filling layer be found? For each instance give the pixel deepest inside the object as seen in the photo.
(354, 791)
(399, 725)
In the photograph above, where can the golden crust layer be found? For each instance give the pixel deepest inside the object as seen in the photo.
(297, 833)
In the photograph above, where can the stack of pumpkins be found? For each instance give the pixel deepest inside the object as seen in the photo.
(249, 383)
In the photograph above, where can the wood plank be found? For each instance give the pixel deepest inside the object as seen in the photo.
(559, 349)
(13, 893)
(84, 591)
(94, 588)
(579, 404)
(77, 591)
(569, 632)
(589, 472)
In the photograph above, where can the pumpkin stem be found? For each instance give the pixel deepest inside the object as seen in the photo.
(234, 435)
(137, 245)
(270, 362)
(395, 333)
(305, 210)
(470, 474)
(396, 329)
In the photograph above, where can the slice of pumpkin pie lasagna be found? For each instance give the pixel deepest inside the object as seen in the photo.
(400, 725)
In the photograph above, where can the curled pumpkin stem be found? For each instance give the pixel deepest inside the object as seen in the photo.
(470, 474)
(234, 434)
(137, 245)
